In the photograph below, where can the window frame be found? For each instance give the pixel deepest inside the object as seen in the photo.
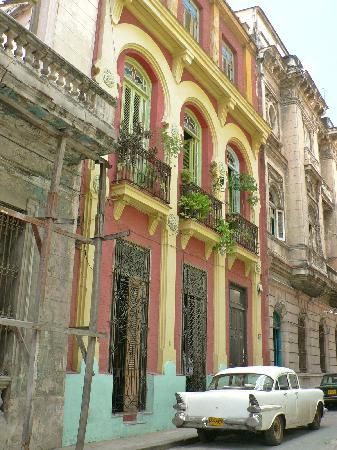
(278, 381)
(293, 375)
(195, 163)
(194, 27)
(145, 95)
(228, 68)
(274, 207)
(234, 196)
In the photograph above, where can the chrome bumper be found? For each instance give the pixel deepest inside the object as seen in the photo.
(252, 422)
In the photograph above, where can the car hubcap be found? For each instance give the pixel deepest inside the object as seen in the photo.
(277, 429)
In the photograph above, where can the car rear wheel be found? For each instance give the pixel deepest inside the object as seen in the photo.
(207, 435)
(274, 435)
(316, 423)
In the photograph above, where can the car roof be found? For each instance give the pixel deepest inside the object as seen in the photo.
(272, 371)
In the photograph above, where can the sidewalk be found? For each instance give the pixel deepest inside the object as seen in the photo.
(160, 440)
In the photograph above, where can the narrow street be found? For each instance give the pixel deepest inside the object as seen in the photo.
(323, 439)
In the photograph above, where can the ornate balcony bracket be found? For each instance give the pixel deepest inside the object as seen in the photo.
(190, 228)
(124, 194)
(182, 59)
(250, 260)
(225, 105)
(116, 8)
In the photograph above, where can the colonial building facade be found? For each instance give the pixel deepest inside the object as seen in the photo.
(300, 175)
(174, 307)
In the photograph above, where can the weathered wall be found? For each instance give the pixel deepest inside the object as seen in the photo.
(25, 155)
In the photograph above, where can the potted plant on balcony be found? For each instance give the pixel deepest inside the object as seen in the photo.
(226, 231)
(194, 205)
(172, 142)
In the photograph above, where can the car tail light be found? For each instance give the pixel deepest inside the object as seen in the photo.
(180, 405)
(254, 406)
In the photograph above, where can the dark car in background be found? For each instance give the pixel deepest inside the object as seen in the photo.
(329, 388)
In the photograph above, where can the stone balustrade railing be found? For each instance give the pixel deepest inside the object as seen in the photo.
(27, 49)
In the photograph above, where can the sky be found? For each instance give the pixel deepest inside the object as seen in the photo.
(308, 28)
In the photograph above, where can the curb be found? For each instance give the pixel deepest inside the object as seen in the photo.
(168, 445)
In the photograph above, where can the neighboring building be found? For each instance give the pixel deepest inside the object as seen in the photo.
(51, 116)
(300, 175)
(174, 309)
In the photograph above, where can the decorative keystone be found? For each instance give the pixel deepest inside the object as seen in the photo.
(225, 106)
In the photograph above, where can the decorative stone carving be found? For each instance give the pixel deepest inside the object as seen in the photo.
(108, 78)
(173, 223)
(225, 105)
(116, 8)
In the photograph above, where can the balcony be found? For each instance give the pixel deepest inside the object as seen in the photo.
(197, 224)
(245, 232)
(50, 92)
(144, 171)
(211, 220)
(142, 181)
(309, 271)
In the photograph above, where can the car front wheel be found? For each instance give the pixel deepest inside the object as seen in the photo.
(274, 435)
(316, 423)
(206, 435)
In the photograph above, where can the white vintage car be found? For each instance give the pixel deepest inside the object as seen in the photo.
(264, 399)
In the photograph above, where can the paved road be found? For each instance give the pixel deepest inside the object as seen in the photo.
(300, 439)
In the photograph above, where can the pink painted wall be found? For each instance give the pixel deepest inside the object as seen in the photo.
(137, 223)
(230, 39)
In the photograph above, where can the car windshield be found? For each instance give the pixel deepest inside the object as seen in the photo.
(242, 381)
(329, 379)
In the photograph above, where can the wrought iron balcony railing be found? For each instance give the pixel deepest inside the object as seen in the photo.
(245, 232)
(145, 171)
(211, 219)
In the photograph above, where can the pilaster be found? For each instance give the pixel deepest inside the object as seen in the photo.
(220, 328)
(256, 317)
(215, 32)
(166, 350)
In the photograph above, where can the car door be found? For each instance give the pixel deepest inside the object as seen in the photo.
(297, 400)
(288, 401)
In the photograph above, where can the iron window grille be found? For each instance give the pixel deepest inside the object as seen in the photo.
(129, 326)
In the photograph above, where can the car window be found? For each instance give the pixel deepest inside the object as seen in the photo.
(255, 381)
(293, 381)
(329, 379)
(283, 382)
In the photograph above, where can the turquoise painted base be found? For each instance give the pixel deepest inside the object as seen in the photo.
(102, 424)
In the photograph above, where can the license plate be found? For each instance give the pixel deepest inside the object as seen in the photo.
(331, 391)
(215, 422)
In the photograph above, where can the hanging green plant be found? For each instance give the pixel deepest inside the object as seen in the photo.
(194, 205)
(245, 183)
(226, 231)
(172, 142)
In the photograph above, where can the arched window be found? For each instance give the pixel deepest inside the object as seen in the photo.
(277, 339)
(276, 215)
(233, 170)
(136, 96)
(302, 353)
(192, 146)
(322, 357)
